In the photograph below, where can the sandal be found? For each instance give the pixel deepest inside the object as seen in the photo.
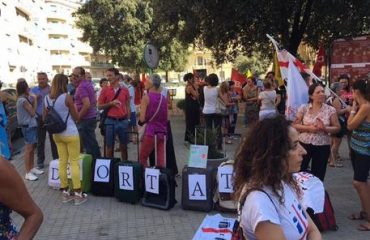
(337, 165)
(364, 226)
(357, 216)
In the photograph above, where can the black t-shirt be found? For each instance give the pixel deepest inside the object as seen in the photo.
(282, 92)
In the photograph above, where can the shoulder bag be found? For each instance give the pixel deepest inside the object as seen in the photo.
(104, 115)
(141, 129)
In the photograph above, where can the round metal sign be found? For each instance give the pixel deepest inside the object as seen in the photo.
(151, 56)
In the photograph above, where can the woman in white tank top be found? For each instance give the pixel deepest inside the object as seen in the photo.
(68, 141)
(211, 118)
(267, 98)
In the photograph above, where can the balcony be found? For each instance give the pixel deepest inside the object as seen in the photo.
(80, 61)
(60, 60)
(58, 13)
(101, 65)
(25, 5)
(59, 44)
(58, 28)
(24, 27)
(83, 47)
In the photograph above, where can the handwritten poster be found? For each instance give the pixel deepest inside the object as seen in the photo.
(198, 156)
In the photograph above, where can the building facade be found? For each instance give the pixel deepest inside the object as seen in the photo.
(40, 35)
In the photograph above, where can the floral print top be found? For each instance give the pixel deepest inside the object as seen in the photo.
(7, 229)
(320, 138)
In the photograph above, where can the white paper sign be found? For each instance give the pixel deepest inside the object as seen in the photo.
(126, 178)
(152, 180)
(53, 178)
(225, 179)
(197, 187)
(215, 227)
(102, 170)
(198, 156)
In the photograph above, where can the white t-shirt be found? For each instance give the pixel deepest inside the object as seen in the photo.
(61, 108)
(210, 99)
(131, 91)
(290, 216)
(268, 99)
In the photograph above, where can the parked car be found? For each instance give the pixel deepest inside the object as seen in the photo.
(11, 110)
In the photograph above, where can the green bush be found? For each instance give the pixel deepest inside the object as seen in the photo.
(211, 142)
(181, 104)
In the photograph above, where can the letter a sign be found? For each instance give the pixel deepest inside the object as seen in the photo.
(102, 170)
(197, 187)
(126, 178)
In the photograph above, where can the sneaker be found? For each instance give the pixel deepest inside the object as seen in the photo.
(31, 177)
(80, 198)
(37, 171)
(67, 196)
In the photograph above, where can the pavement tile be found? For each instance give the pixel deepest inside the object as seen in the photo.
(105, 218)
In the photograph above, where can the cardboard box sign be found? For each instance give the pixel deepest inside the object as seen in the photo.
(152, 180)
(197, 187)
(102, 170)
(54, 172)
(126, 178)
(225, 179)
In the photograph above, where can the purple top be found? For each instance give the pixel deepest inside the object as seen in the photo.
(86, 89)
(40, 95)
(159, 123)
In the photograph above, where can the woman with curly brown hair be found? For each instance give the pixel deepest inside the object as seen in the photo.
(265, 186)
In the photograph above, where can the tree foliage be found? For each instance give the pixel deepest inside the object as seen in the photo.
(256, 63)
(232, 27)
(121, 28)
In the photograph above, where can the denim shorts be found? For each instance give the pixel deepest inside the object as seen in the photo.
(115, 128)
(133, 122)
(29, 135)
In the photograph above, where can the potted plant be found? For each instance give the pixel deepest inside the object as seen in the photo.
(209, 138)
(181, 104)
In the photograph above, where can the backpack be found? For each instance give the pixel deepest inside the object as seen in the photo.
(53, 123)
(325, 220)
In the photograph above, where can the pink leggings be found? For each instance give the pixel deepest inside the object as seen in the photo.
(147, 146)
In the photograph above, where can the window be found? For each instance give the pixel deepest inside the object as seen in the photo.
(200, 61)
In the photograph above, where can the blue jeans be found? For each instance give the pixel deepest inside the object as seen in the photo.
(119, 127)
(29, 135)
(86, 129)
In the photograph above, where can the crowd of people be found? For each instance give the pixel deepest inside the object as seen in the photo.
(263, 165)
(310, 143)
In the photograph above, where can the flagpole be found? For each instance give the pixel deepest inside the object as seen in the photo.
(307, 70)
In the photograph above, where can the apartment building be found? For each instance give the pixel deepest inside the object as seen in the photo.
(39, 35)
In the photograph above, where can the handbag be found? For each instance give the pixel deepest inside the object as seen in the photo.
(221, 107)
(104, 115)
(141, 130)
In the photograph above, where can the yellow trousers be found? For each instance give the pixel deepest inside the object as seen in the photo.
(68, 149)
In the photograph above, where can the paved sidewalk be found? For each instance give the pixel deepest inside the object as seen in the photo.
(106, 218)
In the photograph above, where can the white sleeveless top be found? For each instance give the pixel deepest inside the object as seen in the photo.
(210, 99)
(61, 108)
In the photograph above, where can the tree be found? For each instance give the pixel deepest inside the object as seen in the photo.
(175, 57)
(231, 27)
(256, 63)
(121, 29)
